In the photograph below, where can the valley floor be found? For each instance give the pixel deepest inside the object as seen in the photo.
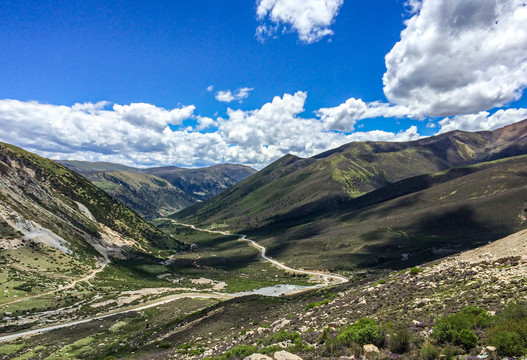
(143, 297)
(489, 277)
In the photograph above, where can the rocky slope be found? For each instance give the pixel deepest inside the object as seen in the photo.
(56, 225)
(489, 277)
(161, 191)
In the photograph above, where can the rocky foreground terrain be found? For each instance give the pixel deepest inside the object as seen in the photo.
(408, 303)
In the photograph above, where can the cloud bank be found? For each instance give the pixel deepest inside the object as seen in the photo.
(139, 134)
(311, 19)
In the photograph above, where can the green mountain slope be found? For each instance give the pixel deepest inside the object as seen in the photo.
(42, 190)
(334, 210)
(147, 194)
(44, 205)
(160, 191)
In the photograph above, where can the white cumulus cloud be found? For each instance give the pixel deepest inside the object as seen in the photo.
(228, 96)
(345, 116)
(138, 134)
(483, 120)
(311, 19)
(459, 57)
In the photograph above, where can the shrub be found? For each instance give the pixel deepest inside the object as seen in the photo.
(458, 328)
(513, 311)
(466, 339)
(451, 351)
(269, 350)
(429, 352)
(509, 334)
(415, 270)
(239, 352)
(508, 343)
(284, 336)
(332, 346)
(365, 331)
(400, 339)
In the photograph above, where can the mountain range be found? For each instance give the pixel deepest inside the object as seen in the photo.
(160, 191)
(379, 203)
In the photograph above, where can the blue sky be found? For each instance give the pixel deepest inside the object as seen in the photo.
(173, 55)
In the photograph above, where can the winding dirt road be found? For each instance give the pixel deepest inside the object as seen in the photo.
(71, 285)
(164, 300)
(326, 277)
(340, 279)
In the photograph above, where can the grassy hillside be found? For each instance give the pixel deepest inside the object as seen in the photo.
(159, 192)
(454, 307)
(203, 183)
(61, 186)
(147, 194)
(425, 217)
(96, 166)
(56, 227)
(334, 210)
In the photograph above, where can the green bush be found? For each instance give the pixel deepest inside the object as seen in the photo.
(429, 352)
(400, 339)
(509, 333)
(466, 339)
(365, 331)
(332, 346)
(269, 350)
(513, 311)
(239, 352)
(451, 351)
(458, 328)
(415, 270)
(284, 336)
(508, 343)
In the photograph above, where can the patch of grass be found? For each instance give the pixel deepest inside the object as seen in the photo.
(312, 305)
(415, 270)
(429, 352)
(9, 349)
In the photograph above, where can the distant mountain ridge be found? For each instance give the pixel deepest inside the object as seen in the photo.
(160, 191)
(302, 203)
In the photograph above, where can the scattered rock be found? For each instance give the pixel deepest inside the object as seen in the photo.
(279, 324)
(370, 351)
(284, 355)
(490, 349)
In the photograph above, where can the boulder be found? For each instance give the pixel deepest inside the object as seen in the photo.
(258, 357)
(284, 355)
(370, 352)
